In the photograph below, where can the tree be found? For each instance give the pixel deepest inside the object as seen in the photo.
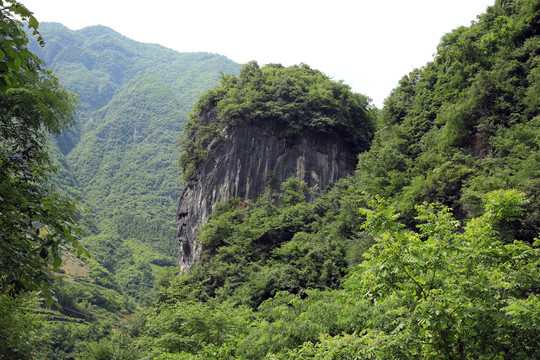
(35, 222)
(446, 291)
(14, 55)
(21, 333)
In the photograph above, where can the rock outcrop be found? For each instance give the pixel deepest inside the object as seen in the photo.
(243, 161)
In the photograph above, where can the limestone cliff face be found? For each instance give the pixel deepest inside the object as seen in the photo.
(243, 162)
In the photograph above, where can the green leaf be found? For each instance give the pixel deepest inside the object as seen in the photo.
(37, 224)
(33, 23)
(47, 293)
(57, 262)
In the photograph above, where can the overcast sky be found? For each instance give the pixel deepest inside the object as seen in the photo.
(369, 45)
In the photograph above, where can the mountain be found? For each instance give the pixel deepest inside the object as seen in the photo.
(252, 146)
(429, 250)
(121, 158)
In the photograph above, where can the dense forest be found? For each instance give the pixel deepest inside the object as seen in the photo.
(429, 250)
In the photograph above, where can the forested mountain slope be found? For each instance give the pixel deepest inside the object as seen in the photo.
(354, 275)
(466, 123)
(120, 158)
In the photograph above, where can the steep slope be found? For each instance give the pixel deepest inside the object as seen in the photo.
(121, 156)
(253, 132)
(467, 123)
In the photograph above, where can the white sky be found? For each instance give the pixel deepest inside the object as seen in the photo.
(369, 45)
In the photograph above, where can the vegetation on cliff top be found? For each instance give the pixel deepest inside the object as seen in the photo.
(297, 98)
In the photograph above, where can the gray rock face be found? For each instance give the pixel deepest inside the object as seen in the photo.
(243, 162)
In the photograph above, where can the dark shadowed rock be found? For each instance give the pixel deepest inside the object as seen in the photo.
(247, 158)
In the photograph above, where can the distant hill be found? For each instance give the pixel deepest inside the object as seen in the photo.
(121, 157)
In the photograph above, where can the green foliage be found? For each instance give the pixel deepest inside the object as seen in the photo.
(287, 320)
(90, 300)
(466, 123)
(192, 326)
(341, 347)
(297, 98)
(15, 59)
(84, 341)
(21, 333)
(446, 293)
(35, 222)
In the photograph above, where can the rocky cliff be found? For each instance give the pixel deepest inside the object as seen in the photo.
(244, 160)
(261, 128)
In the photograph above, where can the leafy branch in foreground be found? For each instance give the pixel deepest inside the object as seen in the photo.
(35, 222)
(14, 54)
(446, 292)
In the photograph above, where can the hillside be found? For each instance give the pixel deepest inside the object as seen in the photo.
(430, 250)
(467, 123)
(120, 158)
